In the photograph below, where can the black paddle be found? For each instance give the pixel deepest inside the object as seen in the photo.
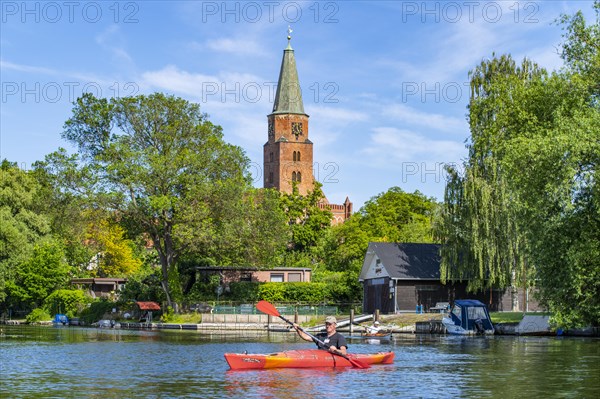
(269, 309)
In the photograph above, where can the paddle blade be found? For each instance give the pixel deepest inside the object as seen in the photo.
(267, 308)
(359, 364)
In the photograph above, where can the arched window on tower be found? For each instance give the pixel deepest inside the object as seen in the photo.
(271, 157)
(298, 177)
(293, 176)
(294, 156)
(298, 156)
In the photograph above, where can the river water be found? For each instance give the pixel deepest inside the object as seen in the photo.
(72, 362)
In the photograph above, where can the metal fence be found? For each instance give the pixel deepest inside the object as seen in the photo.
(285, 309)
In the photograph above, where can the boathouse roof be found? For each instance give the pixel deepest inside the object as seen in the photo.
(148, 305)
(401, 261)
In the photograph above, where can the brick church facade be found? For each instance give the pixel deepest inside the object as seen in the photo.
(288, 153)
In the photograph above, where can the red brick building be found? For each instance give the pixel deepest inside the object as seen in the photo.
(288, 153)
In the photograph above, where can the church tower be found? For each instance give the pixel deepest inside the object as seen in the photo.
(288, 153)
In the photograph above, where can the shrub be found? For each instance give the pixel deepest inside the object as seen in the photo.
(168, 316)
(37, 315)
(294, 292)
(96, 311)
(69, 302)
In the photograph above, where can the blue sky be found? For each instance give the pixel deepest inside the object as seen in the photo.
(385, 82)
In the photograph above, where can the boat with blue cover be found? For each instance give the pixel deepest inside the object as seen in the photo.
(60, 319)
(468, 317)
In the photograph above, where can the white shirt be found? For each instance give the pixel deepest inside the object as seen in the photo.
(373, 329)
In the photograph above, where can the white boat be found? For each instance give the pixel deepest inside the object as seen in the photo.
(468, 317)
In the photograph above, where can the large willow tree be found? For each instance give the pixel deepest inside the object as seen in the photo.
(481, 230)
(526, 207)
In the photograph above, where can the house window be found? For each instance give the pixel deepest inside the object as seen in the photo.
(377, 281)
(276, 277)
(246, 276)
(294, 277)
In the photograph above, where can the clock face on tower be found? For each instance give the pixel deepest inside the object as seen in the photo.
(297, 129)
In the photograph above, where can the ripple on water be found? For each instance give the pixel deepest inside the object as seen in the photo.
(76, 363)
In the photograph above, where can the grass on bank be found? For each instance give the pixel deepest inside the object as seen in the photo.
(512, 317)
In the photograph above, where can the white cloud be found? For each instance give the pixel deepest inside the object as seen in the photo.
(225, 89)
(413, 116)
(81, 77)
(240, 46)
(391, 145)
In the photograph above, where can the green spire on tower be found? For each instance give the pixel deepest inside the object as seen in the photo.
(288, 98)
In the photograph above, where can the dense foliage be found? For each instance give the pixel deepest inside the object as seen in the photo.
(167, 169)
(526, 210)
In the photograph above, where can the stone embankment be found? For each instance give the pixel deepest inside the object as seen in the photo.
(259, 324)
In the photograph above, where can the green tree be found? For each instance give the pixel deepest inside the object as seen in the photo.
(21, 227)
(65, 197)
(41, 274)
(248, 228)
(396, 216)
(165, 166)
(526, 207)
(306, 220)
(116, 257)
(581, 48)
(69, 302)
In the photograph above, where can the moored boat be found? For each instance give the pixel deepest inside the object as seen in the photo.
(60, 320)
(306, 358)
(468, 317)
(378, 335)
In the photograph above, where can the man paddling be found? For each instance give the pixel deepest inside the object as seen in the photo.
(334, 341)
(374, 329)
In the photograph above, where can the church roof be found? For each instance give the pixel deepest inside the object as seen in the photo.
(288, 98)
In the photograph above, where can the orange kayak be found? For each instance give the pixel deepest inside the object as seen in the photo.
(306, 358)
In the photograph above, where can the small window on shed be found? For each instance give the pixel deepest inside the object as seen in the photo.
(276, 277)
(246, 276)
(294, 277)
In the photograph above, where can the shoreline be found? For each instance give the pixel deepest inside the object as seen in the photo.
(432, 327)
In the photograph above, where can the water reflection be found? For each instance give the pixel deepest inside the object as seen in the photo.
(45, 362)
(278, 383)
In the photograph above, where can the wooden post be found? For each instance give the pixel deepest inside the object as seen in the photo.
(524, 287)
(351, 321)
(296, 316)
(376, 316)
